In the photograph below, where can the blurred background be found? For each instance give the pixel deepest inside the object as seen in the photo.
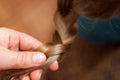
(34, 17)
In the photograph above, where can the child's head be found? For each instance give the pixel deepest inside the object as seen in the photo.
(99, 9)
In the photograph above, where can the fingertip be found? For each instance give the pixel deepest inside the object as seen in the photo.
(36, 75)
(24, 77)
(39, 58)
(54, 66)
(25, 40)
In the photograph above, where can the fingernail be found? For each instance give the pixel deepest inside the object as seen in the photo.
(38, 58)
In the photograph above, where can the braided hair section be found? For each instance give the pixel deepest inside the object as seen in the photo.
(52, 50)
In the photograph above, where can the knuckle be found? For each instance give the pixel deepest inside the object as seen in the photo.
(21, 60)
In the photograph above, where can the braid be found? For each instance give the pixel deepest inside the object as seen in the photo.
(62, 39)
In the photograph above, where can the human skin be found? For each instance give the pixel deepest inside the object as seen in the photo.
(17, 51)
(30, 16)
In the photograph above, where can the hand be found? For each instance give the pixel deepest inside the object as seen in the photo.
(16, 51)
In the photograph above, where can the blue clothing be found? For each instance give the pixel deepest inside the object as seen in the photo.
(99, 31)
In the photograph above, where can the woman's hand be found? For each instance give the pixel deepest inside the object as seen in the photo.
(16, 51)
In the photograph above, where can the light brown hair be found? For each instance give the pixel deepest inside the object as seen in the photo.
(65, 32)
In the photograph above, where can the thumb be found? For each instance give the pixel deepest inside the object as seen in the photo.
(15, 60)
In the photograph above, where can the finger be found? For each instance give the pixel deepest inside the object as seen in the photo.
(22, 41)
(36, 75)
(29, 59)
(54, 66)
(24, 77)
(14, 60)
(15, 40)
(27, 42)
